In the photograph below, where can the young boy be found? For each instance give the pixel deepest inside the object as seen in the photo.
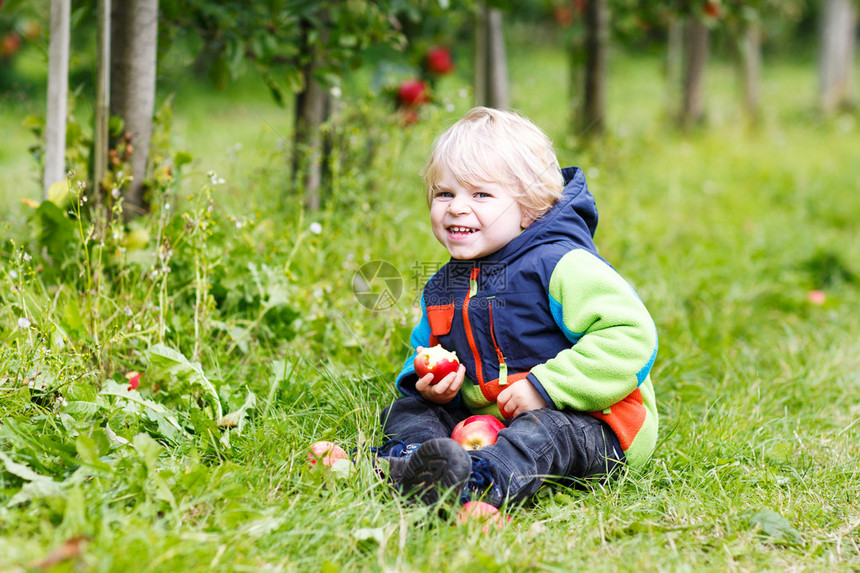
(551, 339)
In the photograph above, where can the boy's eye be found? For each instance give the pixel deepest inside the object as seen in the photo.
(443, 194)
(482, 195)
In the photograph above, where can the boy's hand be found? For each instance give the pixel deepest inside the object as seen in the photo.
(519, 398)
(443, 391)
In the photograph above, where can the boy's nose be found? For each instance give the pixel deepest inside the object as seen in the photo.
(458, 207)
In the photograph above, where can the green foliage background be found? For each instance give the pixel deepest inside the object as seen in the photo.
(231, 295)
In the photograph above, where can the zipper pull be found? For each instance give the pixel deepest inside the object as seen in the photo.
(473, 283)
(503, 374)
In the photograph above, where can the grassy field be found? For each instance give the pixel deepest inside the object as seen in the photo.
(724, 231)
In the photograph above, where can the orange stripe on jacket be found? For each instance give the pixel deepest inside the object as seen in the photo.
(492, 389)
(625, 418)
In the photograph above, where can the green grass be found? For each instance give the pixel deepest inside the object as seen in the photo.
(723, 231)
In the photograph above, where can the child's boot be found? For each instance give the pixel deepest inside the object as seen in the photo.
(396, 453)
(438, 465)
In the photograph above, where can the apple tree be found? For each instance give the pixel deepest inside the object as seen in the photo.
(300, 49)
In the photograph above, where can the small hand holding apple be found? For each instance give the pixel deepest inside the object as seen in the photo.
(440, 374)
(435, 360)
(518, 398)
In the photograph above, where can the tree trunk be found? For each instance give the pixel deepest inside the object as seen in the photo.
(309, 145)
(58, 91)
(102, 111)
(674, 65)
(134, 37)
(750, 55)
(839, 21)
(696, 38)
(596, 57)
(312, 110)
(492, 88)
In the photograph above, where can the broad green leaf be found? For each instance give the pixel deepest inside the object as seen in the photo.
(115, 440)
(155, 411)
(59, 194)
(162, 490)
(44, 488)
(37, 486)
(75, 513)
(774, 526)
(148, 450)
(20, 470)
(88, 452)
(168, 363)
(181, 158)
(241, 336)
(237, 419)
(81, 410)
(72, 314)
(116, 125)
(341, 469)
(55, 232)
(279, 371)
(33, 122)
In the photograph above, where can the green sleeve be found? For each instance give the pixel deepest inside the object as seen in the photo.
(614, 338)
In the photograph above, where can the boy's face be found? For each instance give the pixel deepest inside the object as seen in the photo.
(473, 222)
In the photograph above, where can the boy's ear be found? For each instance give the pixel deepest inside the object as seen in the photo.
(526, 220)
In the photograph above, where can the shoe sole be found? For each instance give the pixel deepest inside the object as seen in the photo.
(438, 465)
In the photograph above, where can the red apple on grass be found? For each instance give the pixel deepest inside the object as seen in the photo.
(475, 432)
(484, 512)
(436, 361)
(326, 452)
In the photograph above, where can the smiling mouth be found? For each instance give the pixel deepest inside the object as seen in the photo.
(461, 230)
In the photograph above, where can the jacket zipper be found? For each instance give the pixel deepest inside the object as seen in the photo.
(503, 367)
(473, 290)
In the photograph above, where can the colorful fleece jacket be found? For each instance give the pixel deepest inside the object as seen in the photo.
(547, 309)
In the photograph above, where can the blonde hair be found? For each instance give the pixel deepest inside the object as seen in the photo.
(492, 146)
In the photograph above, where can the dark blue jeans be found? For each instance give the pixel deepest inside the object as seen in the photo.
(537, 447)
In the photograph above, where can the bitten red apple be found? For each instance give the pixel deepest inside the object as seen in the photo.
(475, 432)
(326, 452)
(436, 361)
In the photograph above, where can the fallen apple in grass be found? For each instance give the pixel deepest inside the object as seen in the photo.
(437, 361)
(327, 453)
(475, 432)
(484, 512)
